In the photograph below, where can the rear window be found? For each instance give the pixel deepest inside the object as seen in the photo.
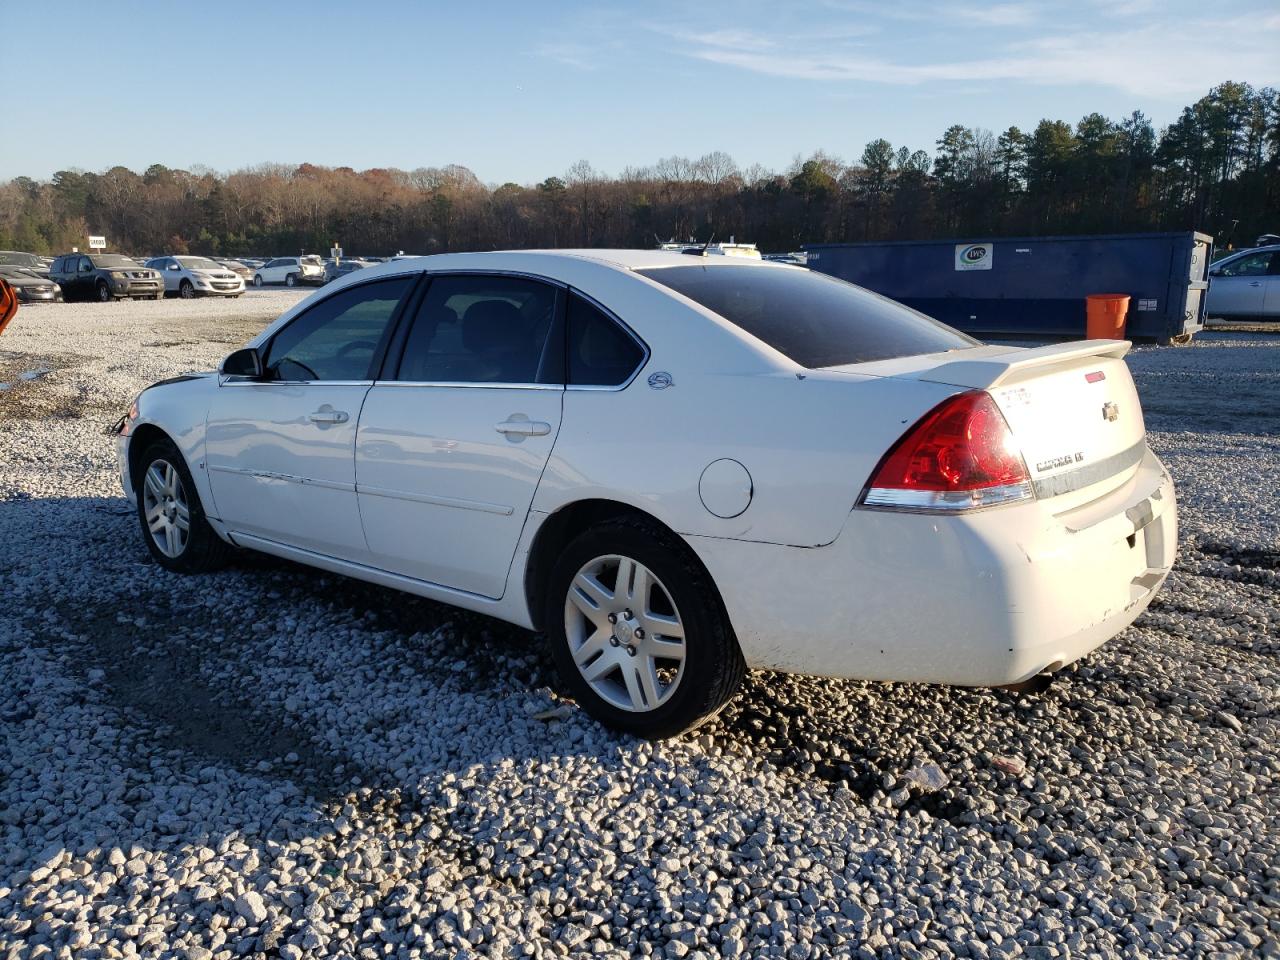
(814, 319)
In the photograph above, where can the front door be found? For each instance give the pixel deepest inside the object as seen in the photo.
(281, 451)
(452, 444)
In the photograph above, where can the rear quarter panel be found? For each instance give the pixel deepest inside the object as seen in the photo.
(809, 445)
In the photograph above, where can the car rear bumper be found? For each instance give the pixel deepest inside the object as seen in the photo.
(986, 599)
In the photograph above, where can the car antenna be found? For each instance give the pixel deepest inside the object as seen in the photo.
(699, 252)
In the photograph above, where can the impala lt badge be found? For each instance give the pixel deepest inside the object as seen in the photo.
(1110, 412)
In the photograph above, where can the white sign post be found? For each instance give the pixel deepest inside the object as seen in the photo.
(97, 243)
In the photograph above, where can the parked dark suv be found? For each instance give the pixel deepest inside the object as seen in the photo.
(104, 277)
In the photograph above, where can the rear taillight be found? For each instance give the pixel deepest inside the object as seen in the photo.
(959, 456)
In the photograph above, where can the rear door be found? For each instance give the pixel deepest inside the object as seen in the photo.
(85, 281)
(281, 452)
(453, 441)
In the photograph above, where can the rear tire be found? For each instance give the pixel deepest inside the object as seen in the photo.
(174, 527)
(291, 280)
(679, 682)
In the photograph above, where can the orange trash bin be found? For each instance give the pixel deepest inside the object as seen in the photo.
(1105, 315)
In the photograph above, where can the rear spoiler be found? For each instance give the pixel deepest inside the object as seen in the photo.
(1004, 366)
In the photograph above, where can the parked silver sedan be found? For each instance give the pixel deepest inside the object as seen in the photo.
(1246, 284)
(191, 277)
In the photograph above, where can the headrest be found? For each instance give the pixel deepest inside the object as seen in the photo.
(493, 326)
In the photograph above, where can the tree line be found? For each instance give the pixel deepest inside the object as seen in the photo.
(1216, 168)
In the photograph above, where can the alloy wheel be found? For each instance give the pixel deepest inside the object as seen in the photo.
(625, 634)
(164, 503)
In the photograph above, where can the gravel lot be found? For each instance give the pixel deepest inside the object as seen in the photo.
(275, 762)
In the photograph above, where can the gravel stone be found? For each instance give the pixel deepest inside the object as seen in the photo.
(275, 761)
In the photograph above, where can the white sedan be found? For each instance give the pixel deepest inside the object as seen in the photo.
(677, 468)
(191, 277)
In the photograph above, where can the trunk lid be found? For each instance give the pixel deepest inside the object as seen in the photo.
(1072, 407)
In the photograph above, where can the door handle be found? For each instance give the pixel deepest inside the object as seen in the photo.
(324, 415)
(1256, 283)
(524, 428)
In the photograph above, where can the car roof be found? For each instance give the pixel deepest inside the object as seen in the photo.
(623, 259)
(1267, 248)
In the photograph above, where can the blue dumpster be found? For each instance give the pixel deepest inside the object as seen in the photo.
(1035, 286)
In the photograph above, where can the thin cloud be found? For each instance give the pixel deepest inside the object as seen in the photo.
(1167, 62)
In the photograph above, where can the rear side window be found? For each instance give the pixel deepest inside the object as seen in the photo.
(473, 328)
(600, 353)
(814, 319)
(338, 338)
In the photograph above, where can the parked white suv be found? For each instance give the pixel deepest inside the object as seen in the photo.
(191, 277)
(290, 271)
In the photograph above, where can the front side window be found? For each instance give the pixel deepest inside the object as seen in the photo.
(1251, 266)
(816, 320)
(338, 338)
(482, 329)
(600, 353)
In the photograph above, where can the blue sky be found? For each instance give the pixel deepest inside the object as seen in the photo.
(520, 91)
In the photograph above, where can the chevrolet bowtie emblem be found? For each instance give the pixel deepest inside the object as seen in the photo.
(1110, 412)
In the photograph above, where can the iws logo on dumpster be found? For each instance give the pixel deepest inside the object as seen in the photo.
(973, 256)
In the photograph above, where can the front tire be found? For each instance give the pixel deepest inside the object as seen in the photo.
(186, 290)
(174, 527)
(257, 279)
(104, 292)
(638, 633)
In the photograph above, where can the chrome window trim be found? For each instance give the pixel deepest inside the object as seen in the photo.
(644, 347)
(483, 272)
(470, 385)
(226, 380)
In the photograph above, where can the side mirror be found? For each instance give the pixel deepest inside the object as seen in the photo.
(243, 363)
(174, 266)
